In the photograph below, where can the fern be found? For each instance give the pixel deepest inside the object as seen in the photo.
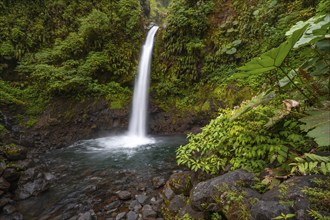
(317, 215)
(311, 164)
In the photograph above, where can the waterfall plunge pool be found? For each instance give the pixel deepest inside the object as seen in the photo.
(90, 172)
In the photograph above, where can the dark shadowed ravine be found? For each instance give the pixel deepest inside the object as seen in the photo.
(89, 174)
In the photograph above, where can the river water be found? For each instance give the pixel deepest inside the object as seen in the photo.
(89, 173)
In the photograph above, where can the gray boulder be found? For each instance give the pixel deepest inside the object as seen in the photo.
(214, 194)
(265, 210)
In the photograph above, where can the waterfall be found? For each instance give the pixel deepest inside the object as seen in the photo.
(138, 120)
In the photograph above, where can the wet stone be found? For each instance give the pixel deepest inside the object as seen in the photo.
(132, 216)
(142, 199)
(8, 209)
(124, 195)
(11, 174)
(121, 216)
(113, 205)
(4, 184)
(135, 206)
(2, 167)
(158, 182)
(148, 212)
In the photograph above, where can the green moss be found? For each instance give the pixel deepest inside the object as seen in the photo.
(319, 196)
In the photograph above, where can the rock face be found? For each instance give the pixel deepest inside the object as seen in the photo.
(231, 196)
(33, 181)
(218, 187)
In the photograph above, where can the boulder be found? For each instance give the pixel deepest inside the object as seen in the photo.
(11, 174)
(15, 152)
(291, 192)
(167, 192)
(177, 203)
(214, 194)
(191, 212)
(181, 183)
(33, 181)
(265, 210)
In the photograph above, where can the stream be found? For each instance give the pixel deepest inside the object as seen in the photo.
(89, 173)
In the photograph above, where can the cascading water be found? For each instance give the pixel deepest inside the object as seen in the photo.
(138, 121)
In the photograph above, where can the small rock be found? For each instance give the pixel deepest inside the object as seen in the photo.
(4, 184)
(135, 206)
(132, 215)
(11, 174)
(121, 216)
(2, 167)
(124, 195)
(8, 209)
(148, 212)
(158, 182)
(113, 205)
(142, 199)
(4, 201)
(156, 204)
(16, 216)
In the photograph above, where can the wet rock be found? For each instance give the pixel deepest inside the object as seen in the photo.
(135, 206)
(181, 183)
(15, 152)
(132, 216)
(121, 216)
(148, 212)
(124, 195)
(33, 188)
(292, 190)
(265, 210)
(2, 167)
(113, 205)
(206, 192)
(16, 216)
(8, 209)
(4, 201)
(158, 182)
(11, 174)
(177, 203)
(156, 204)
(33, 181)
(191, 212)
(142, 199)
(4, 184)
(168, 192)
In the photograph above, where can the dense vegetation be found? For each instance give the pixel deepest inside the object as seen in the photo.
(69, 49)
(209, 55)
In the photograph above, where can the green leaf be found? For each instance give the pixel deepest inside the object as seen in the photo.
(274, 58)
(319, 122)
(231, 51)
(285, 81)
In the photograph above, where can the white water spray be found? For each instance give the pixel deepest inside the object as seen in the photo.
(138, 120)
